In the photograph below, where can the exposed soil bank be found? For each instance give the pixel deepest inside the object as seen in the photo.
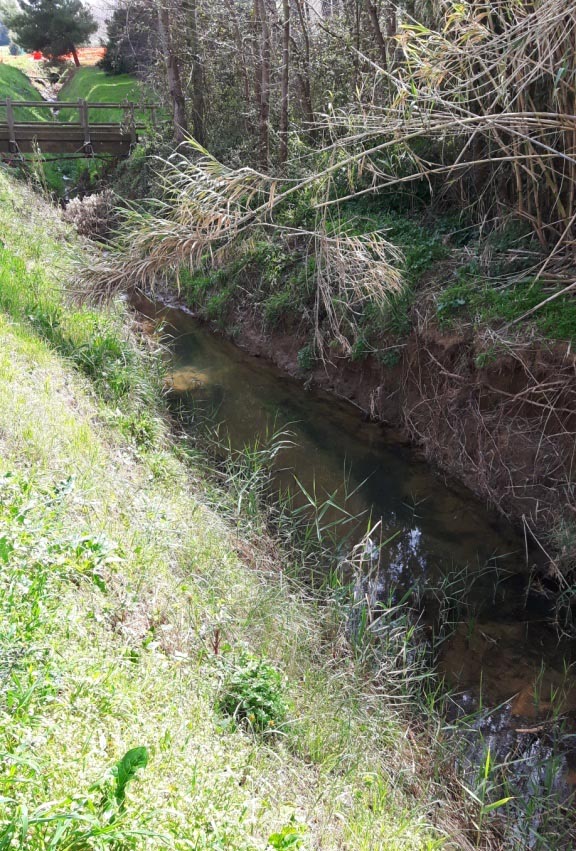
(499, 417)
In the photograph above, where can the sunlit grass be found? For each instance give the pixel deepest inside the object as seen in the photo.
(15, 84)
(124, 579)
(95, 86)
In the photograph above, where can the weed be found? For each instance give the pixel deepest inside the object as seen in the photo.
(360, 349)
(96, 820)
(389, 357)
(305, 358)
(277, 306)
(481, 795)
(217, 305)
(253, 691)
(485, 358)
(291, 836)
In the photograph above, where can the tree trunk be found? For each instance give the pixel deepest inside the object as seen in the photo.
(241, 56)
(173, 74)
(304, 76)
(75, 56)
(285, 91)
(263, 86)
(391, 30)
(372, 10)
(198, 81)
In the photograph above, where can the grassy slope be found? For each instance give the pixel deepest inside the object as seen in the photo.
(16, 85)
(96, 87)
(90, 669)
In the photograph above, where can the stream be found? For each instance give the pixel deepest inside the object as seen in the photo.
(504, 654)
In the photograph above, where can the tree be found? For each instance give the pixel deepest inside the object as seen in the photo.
(285, 91)
(132, 39)
(262, 85)
(190, 9)
(55, 27)
(173, 73)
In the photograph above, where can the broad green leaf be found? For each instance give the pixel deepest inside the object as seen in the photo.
(126, 769)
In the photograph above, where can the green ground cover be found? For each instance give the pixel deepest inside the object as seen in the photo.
(157, 690)
(95, 86)
(16, 85)
(443, 266)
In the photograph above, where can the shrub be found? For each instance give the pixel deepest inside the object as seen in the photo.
(217, 305)
(389, 357)
(93, 216)
(253, 692)
(360, 350)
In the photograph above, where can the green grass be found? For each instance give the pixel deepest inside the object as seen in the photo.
(95, 86)
(117, 586)
(24, 61)
(483, 302)
(16, 85)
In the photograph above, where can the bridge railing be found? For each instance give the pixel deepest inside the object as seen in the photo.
(131, 112)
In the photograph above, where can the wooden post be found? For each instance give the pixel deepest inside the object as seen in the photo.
(83, 109)
(132, 123)
(13, 144)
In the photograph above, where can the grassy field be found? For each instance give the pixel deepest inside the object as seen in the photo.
(131, 627)
(15, 84)
(95, 86)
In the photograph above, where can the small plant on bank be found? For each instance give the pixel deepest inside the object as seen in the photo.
(253, 693)
(290, 837)
(389, 357)
(485, 358)
(95, 820)
(305, 358)
(360, 350)
(277, 306)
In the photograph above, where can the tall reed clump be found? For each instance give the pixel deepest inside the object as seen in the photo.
(480, 110)
(208, 210)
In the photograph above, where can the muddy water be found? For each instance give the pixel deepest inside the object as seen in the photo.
(504, 651)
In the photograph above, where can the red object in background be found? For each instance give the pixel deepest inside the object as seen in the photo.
(37, 55)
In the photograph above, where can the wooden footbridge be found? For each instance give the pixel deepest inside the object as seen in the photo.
(82, 138)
